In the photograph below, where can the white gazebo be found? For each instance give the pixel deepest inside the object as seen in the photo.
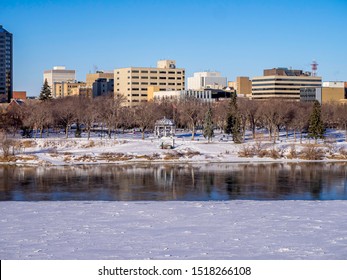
(164, 128)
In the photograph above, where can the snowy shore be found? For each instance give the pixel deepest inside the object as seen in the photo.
(130, 148)
(174, 230)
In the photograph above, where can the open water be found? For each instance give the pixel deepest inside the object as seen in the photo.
(157, 182)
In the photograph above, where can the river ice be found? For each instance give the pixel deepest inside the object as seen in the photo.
(174, 230)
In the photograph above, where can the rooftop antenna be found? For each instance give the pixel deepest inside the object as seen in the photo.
(314, 68)
(95, 68)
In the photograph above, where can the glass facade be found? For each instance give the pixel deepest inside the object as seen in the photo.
(6, 66)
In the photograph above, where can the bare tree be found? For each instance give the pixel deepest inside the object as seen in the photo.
(110, 111)
(220, 113)
(145, 115)
(301, 118)
(64, 112)
(252, 109)
(191, 112)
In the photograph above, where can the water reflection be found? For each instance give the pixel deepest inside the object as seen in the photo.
(175, 182)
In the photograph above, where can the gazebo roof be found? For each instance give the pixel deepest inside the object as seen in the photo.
(165, 121)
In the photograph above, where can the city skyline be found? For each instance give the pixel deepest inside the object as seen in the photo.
(236, 38)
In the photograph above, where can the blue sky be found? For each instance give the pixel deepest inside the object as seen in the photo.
(237, 38)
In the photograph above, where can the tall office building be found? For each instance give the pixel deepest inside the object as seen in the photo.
(135, 82)
(6, 65)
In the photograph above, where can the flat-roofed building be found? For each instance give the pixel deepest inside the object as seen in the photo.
(330, 92)
(92, 77)
(283, 83)
(6, 65)
(63, 89)
(133, 82)
(207, 95)
(58, 74)
(103, 86)
(203, 80)
(242, 85)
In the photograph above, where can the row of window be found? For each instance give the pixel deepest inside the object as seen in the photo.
(290, 79)
(277, 93)
(269, 89)
(287, 84)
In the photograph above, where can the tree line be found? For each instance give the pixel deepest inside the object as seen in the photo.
(234, 116)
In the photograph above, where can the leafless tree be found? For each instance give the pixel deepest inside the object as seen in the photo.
(64, 112)
(220, 114)
(145, 115)
(110, 111)
(301, 118)
(191, 112)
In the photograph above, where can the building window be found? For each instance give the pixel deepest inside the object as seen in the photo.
(162, 78)
(154, 72)
(153, 84)
(144, 77)
(135, 71)
(154, 78)
(144, 71)
(162, 72)
(162, 84)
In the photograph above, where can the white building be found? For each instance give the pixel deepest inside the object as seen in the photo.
(58, 74)
(334, 84)
(204, 80)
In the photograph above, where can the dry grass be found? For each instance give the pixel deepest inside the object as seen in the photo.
(91, 144)
(86, 158)
(28, 144)
(191, 153)
(312, 152)
(22, 158)
(114, 157)
(173, 155)
(148, 157)
(246, 151)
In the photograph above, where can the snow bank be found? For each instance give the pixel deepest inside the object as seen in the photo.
(174, 230)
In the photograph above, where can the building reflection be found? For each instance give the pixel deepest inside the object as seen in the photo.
(175, 182)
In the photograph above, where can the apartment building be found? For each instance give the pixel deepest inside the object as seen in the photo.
(6, 65)
(203, 80)
(282, 83)
(57, 75)
(133, 82)
(103, 86)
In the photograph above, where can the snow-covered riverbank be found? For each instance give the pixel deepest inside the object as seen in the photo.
(131, 148)
(174, 230)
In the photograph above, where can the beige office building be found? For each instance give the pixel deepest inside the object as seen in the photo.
(63, 89)
(58, 74)
(242, 85)
(133, 82)
(91, 78)
(282, 83)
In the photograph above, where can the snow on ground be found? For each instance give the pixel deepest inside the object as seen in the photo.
(130, 147)
(174, 230)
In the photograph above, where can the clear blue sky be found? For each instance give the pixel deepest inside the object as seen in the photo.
(237, 38)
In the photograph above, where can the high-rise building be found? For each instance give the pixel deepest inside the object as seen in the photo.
(57, 75)
(6, 65)
(133, 82)
(283, 83)
(204, 80)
